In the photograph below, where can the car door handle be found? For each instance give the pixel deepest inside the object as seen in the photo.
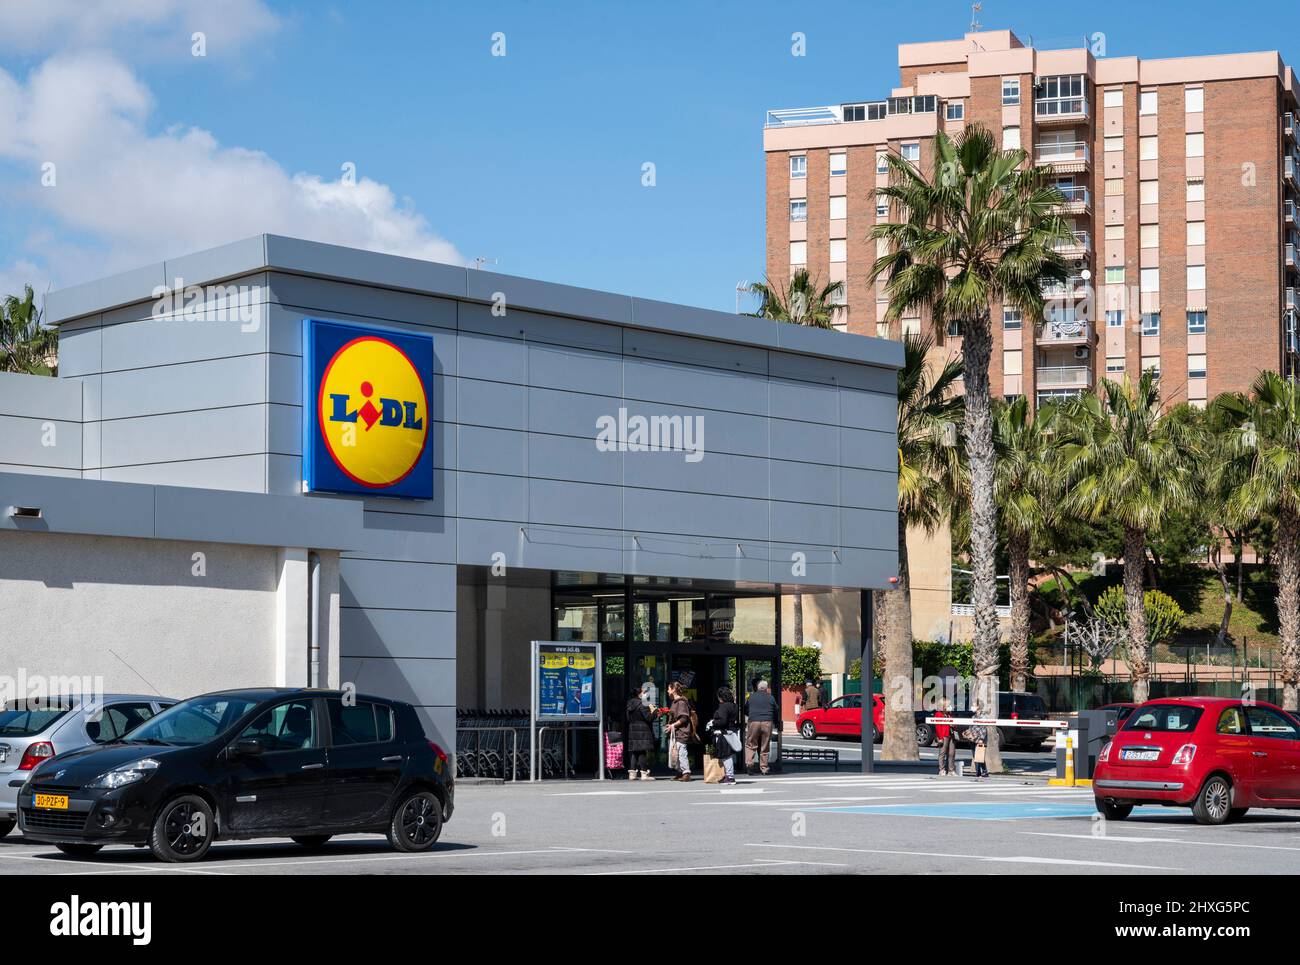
(391, 757)
(312, 767)
(1258, 754)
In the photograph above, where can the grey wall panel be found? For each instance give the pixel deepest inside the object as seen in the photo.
(807, 368)
(283, 474)
(725, 356)
(80, 347)
(209, 434)
(535, 327)
(482, 286)
(97, 296)
(181, 513)
(76, 506)
(805, 442)
(284, 430)
(40, 470)
(371, 267)
(389, 634)
(224, 261)
(715, 474)
(805, 482)
(805, 401)
(868, 528)
(492, 404)
(406, 536)
(569, 413)
(185, 387)
(91, 434)
(860, 409)
(387, 585)
(705, 323)
(241, 473)
(40, 442)
(867, 488)
(284, 379)
(653, 381)
(539, 546)
(482, 496)
(861, 449)
(491, 450)
(719, 518)
(833, 345)
(212, 334)
(566, 457)
(805, 523)
(91, 396)
(554, 503)
(429, 680)
(564, 367)
(652, 554)
(729, 432)
(490, 357)
(40, 397)
(319, 298)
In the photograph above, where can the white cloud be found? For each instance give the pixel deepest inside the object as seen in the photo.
(125, 195)
(151, 28)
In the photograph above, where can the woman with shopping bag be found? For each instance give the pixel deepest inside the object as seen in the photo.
(725, 728)
(639, 738)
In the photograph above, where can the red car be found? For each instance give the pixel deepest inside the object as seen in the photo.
(1216, 755)
(842, 717)
(1123, 709)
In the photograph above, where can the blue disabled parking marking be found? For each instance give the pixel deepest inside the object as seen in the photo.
(982, 811)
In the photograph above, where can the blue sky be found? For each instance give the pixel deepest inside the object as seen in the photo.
(533, 159)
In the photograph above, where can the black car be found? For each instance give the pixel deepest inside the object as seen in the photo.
(1011, 704)
(302, 764)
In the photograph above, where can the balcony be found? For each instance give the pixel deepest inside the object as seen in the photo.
(1288, 125)
(851, 113)
(1289, 325)
(1064, 376)
(1064, 331)
(1289, 300)
(1072, 288)
(1076, 246)
(1065, 157)
(1290, 254)
(1077, 200)
(805, 116)
(1050, 111)
(1289, 166)
(1288, 211)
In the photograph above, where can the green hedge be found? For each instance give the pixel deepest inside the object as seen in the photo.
(799, 664)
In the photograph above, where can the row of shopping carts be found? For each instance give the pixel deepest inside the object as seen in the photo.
(494, 743)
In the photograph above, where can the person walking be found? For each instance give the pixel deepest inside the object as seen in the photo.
(947, 742)
(762, 713)
(726, 733)
(638, 738)
(812, 695)
(681, 731)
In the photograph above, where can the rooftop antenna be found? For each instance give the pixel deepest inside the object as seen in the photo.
(480, 261)
(742, 288)
(975, 24)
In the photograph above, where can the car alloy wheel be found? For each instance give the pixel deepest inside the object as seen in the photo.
(183, 830)
(1214, 803)
(808, 730)
(417, 822)
(924, 735)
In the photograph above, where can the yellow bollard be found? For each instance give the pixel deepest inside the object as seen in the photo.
(1069, 762)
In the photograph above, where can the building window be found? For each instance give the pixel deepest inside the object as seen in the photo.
(1059, 95)
(1115, 318)
(1010, 138)
(1150, 323)
(1195, 100)
(1114, 144)
(882, 330)
(1148, 148)
(882, 162)
(799, 210)
(839, 207)
(1196, 189)
(954, 327)
(882, 208)
(1012, 363)
(853, 112)
(1114, 276)
(877, 111)
(1151, 363)
(955, 110)
(1148, 192)
(798, 252)
(1196, 366)
(839, 250)
(911, 326)
(1113, 98)
(1010, 91)
(839, 164)
(1195, 323)
(911, 152)
(1195, 278)
(1114, 187)
(1196, 145)
(1114, 366)
(1150, 280)
(1150, 235)
(798, 166)
(1012, 319)
(1147, 102)
(1196, 232)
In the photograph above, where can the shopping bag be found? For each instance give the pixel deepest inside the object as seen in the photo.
(733, 740)
(713, 772)
(613, 754)
(980, 750)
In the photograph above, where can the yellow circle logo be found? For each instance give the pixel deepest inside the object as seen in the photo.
(373, 412)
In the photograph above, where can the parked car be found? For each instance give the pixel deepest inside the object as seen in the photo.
(1013, 705)
(32, 732)
(302, 764)
(842, 717)
(1218, 756)
(1122, 709)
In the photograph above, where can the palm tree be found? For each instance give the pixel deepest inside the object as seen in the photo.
(25, 344)
(982, 229)
(1266, 441)
(1126, 458)
(804, 301)
(929, 479)
(1024, 483)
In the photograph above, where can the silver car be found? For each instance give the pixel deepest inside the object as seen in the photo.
(32, 732)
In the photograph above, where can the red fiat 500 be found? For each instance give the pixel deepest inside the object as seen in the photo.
(1217, 755)
(842, 717)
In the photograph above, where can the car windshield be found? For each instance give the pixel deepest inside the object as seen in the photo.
(194, 721)
(1174, 718)
(25, 718)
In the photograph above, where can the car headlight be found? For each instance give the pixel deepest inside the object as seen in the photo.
(126, 774)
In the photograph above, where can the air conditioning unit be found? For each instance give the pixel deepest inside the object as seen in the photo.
(1082, 352)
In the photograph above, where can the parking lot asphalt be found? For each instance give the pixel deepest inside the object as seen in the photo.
(796, 824)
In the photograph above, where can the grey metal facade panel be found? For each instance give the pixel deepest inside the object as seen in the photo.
(868, 528)
(492, 450)
(554, 367)
(386, 635)
(388, 585)
(869, 410)
(428, 681)
(805, 401)
(224, 261)
(831, 344)
(526, 326)
(40, 442)
(147, 341)
(566, 413)
(347, 302)
(555, 503)
(242, 473)
(539, 546)
(406, 536)
(490, 357)
(725, 356)
(262, 520)
(687, 514)
(366, 267)
(184, 387)
(40, 470)
(492, 404)
(650, 380)
(39, 397)
(124, 288)
(541, 296)
(863, 449)
(78, 506)
(484, 496)
(717, 474)
(805, 523)
(238, 430)
(80, 347)
(804, 482)
(568, 457)
(724, 432)
(703, 322)
(652, 554)
(867, 488)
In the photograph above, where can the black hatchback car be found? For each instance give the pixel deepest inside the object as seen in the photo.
(302, 764)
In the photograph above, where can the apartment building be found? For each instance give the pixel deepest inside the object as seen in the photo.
(1179, 179)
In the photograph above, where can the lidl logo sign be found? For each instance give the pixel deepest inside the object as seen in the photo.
(367, 419)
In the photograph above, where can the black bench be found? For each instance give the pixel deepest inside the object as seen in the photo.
(810, 755)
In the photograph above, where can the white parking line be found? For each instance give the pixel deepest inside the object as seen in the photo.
(1015, 859)
(756, 863)
(1194, 843)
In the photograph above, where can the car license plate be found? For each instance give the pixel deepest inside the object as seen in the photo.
(57, 802)
(1138, 754)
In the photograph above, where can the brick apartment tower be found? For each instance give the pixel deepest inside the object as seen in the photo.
(1180, 178)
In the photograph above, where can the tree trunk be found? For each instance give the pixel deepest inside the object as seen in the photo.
(1018, 547)
(1287, 552)
(900, 724)
(977, 345)
(1216, 557)
(798, 619)
(1134, 564)
(1241, 551)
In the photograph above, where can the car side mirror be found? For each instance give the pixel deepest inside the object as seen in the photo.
(246, 747)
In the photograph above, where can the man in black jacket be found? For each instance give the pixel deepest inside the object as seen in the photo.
(762, 713)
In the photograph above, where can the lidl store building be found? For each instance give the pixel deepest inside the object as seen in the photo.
(281, 462)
